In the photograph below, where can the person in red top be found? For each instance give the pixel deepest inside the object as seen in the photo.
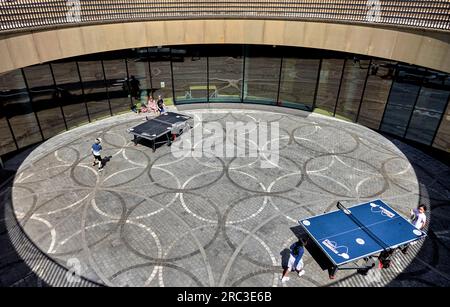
(151, 105)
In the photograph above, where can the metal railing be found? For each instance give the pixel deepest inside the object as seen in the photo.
(32, 14)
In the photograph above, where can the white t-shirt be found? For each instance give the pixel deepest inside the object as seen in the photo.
(419, 219)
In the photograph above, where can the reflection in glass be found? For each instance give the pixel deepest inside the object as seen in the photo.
(138, 66)
(376, 93)
(225, 74)
(401, 101)
(116, 76)
(442, 138)
(6, 139)
(414, 101)
(45, 99)
(330, 76)
(298, 82)
(189, 75)
(428, 111)
(16, 106)
(94, 88)
(352, 87)
(161, 73)
(69, 92)
(261, 76)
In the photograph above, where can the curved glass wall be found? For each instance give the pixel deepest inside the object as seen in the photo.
(409, 102)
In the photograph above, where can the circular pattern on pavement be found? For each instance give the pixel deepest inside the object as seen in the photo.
(155, 219)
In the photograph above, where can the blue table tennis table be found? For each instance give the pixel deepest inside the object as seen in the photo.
(360, 232)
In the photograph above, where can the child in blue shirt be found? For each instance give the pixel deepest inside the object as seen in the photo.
(96, 152)
(295, 262)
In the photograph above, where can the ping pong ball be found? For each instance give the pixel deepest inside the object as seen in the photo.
(417, 232)
(373, 205)
(306, 223)
(360, 241)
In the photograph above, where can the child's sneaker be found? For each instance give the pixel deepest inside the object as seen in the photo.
(284, 279)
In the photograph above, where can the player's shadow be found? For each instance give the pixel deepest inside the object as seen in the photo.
(285, 257)
(105, 160)
(313, 249)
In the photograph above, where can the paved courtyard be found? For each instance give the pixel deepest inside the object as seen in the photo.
(159, 220)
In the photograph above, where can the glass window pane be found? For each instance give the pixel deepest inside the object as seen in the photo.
(401, 101)
(330, 76)
(24, 123)
(442, 138)
(189, 75)
(376, 93)
(138, 66)
(262, 72)
(298, 82)
(18, 109)
(44, 98)
(69, 92)
(352, 87)
(428, 110)
(161, 73)
(118, 89)
(94, 88)
(225, 73)
(6, 139)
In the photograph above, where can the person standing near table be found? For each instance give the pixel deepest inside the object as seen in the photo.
(160, 103)
(295, 262)
(419, 220)
(418, 217)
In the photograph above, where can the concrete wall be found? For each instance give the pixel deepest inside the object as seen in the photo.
(424, 48)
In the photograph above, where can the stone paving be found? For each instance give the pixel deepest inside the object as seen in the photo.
(159, 220)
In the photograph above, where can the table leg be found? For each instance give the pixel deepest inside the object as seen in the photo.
(169, 141)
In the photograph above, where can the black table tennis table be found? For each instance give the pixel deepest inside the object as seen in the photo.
(159, 130)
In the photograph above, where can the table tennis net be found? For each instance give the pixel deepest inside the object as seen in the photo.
(363, 227)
